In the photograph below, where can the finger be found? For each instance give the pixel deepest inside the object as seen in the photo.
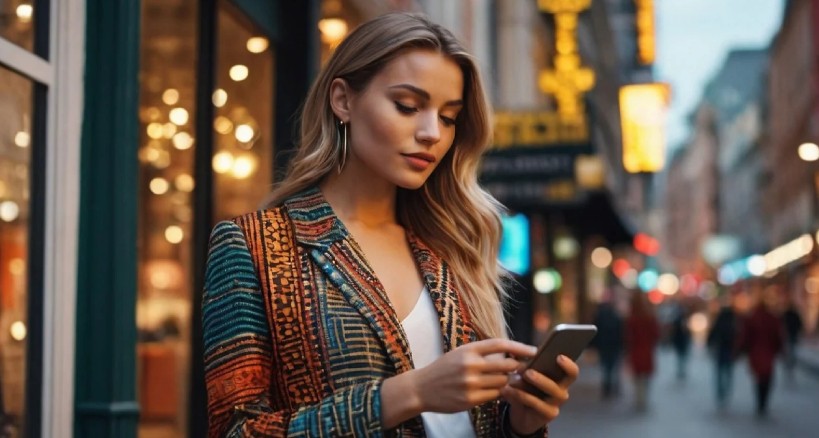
(500, 345)
(523, 398)
(505, 366)
(547, 385)
(492, 381)
(571, 369)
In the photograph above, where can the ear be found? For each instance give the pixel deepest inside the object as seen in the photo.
(340, 99)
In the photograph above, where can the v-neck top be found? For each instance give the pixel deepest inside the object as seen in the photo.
(423, 331)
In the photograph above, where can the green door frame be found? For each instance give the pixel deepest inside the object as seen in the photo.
(105, 382)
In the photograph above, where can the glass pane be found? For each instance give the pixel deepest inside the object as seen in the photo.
(15, 160)
(243, 124)
(17, 22)
(167, 144)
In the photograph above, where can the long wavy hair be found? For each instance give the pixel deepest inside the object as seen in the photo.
(450, 213)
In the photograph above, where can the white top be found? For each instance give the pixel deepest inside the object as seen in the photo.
(424, 335)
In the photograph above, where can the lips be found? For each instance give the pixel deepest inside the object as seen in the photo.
(422, 156)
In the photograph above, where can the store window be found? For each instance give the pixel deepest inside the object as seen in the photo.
(243, 151)
(17, 22)
(242, 162)
(166, 184)
(16, 93)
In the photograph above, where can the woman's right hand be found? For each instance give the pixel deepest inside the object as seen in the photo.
(469, 375)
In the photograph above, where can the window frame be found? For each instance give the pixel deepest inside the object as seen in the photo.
(56, 69)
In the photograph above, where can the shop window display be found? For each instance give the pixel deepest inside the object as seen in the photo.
(15, 168)
(167, 145)
(17, 22)
(242, 165)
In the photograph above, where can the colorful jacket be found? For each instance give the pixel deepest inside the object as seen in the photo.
(299, 334)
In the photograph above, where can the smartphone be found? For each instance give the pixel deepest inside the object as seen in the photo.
(567, 339)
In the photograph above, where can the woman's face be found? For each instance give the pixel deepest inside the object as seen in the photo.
(403, 123)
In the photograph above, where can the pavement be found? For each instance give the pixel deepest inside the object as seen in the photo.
(807, 356)
(687, 408)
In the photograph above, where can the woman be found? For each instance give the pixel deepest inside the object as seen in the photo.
(642, 335)
(366, 300)
(762, 337)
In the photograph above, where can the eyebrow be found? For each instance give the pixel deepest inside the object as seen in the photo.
(424, 94)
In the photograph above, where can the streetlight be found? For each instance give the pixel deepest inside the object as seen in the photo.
(809, 152)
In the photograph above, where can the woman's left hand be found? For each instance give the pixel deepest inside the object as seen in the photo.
(527, 412)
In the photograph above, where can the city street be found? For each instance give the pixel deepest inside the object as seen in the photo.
(688, 408)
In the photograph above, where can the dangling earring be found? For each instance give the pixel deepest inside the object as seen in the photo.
(341, 141)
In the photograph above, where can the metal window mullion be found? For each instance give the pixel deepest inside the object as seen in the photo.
(62, 161)
(26, 63)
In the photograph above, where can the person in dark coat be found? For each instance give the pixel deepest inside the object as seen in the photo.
(792, 323)
(680, 339)
(722, 342)
(609, 345)
(762, 339)
(642, 335)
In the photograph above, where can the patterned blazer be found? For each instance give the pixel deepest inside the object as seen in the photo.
(299, 334)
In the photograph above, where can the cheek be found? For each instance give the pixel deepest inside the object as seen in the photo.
(381, 132)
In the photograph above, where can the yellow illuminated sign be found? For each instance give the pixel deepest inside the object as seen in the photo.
(569, 81)
(537, 129)
(646, 52)
(643, 110)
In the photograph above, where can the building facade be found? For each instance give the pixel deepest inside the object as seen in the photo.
(790, 200)
(692, 215)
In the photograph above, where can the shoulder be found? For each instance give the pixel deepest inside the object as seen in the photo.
(274, 218)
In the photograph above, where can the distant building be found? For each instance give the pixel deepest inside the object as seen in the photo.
(790, 197)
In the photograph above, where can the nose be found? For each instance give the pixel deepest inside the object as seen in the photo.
(428, 130)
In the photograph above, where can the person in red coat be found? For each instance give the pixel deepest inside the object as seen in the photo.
(762, 339)
(642, 335)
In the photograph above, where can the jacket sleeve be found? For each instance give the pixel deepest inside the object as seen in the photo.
(239, 364)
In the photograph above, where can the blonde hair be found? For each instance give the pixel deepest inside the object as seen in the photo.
(450, 213)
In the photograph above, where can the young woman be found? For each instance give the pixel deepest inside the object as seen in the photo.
(367, 299)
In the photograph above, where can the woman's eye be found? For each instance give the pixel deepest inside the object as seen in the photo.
(448, 121)
(405, 109)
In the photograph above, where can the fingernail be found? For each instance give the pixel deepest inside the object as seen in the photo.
(562, 359)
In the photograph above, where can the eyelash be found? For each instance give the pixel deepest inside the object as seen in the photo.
(448, 121)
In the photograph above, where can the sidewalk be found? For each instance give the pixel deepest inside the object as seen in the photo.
(685, 409)
(807, 355)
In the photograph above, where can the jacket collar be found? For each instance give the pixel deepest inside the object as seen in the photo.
(314, 222)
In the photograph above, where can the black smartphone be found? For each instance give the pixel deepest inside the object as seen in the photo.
(567, 339)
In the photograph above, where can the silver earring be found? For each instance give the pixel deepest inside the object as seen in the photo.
(342, 144)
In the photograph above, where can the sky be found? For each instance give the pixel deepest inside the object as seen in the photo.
(693, 38)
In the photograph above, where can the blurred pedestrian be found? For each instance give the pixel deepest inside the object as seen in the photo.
(722, 344)
(642, 335)
(609, 345)
(366, 299)
(762, 338)
(680, 338)
(792, 322)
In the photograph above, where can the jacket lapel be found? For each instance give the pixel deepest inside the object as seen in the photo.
(341, 260)
(453, 315)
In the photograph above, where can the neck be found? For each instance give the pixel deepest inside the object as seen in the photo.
(358, 199)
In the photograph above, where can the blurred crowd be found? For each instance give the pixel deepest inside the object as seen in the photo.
(757, 322)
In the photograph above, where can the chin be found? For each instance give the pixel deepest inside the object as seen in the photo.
(413, 182)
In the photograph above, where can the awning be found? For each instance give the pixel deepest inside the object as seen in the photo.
(598, 216)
